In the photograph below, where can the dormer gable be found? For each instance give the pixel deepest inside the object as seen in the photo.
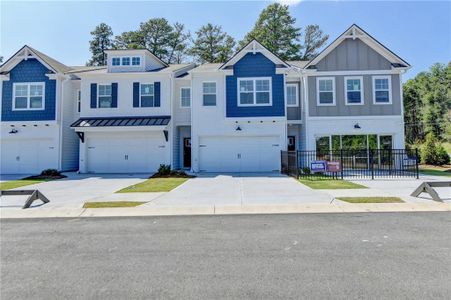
(254, 47)
(133, 60)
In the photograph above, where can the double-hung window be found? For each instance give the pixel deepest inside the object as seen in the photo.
(353, 90)
(381, 90)
(325, 91)
(104, 98)
(125, 61)
(136, 61)
(28, 96)
(209, 93)
(147, 95)
(185, 97)
(292, 94)
(116, 61)
(254, 92)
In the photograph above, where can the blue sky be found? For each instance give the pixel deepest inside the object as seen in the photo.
(418, 31)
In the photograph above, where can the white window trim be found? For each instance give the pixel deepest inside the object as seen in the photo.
(362, 99)
(120, 61)
(140, 100)
(131, 61)
(98, 94)
(297, 94)
(254, 79)
(190, 96)
(389, 90)
(28, 96)
(216, 93)
(334, 98)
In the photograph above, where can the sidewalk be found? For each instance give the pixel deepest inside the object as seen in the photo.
(334, 207)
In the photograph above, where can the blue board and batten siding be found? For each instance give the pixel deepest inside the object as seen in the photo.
(30, 70)
(255, 65)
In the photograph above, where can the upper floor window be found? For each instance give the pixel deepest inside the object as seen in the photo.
(147, 95)
(28, 96)
(325, 91)
(116, 61)
(78, 100)
(136, 61)
(354, 90)
(185, 97)
(209, 93)
(381, 90)
(292, 95)
(125, 61)
(104, 98)
(252, 91)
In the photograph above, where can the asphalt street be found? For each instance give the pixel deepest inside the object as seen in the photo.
(303, 256)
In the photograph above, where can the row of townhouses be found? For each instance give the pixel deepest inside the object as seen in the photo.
(139, 112)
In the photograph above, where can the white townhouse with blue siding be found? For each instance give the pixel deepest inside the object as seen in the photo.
(138, 112)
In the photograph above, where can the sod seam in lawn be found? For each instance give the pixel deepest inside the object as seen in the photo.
(111, 204)
(371, 199)
(332, 184)
(8, 185)
(154, 185)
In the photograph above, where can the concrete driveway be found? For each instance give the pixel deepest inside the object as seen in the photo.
(76, 189)
(241, 189)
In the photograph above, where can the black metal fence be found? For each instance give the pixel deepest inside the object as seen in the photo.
(363, 163)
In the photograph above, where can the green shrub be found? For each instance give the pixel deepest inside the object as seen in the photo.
(50, 172)
(433, 153)
(164, 170)
(306, 170)
(442, 155)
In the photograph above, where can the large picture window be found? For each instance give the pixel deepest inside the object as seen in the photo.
(28, 96)
(254, 92)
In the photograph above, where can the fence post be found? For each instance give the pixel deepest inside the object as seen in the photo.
(341, 163)
(371, 163)
(416, 163)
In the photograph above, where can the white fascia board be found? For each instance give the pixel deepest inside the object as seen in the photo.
(255, 120)
(120, 128)
(311, 72)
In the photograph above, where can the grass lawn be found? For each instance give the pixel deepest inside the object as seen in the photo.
(325, 184)
(371, 199)
(154, 185)
(435, 170)
(112, 204)
(19, 183)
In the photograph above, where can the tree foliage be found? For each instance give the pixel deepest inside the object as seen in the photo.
(212, 45)
(427, 104)
(168, 42)
(275, 29)
(101, 41)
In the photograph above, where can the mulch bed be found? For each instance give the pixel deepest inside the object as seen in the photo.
(173, 175)
(46, 177)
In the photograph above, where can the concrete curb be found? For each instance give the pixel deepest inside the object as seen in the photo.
(221, 210)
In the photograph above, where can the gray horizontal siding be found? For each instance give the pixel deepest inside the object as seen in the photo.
(353, 55)
(341, 109)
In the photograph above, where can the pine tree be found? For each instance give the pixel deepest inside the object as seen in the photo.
(100, 42)
(212, 45)
(314, 39)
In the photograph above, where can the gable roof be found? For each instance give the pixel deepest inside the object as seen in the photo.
(27, 51)
(355, 32)
(253, 47)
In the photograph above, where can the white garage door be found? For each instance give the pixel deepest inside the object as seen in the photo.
(239, 154)
(111, 154)
(28, 156)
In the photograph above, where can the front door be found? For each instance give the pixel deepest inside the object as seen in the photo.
(187, 152)
(291, 143)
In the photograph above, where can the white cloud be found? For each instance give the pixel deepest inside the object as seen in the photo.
(289, 2)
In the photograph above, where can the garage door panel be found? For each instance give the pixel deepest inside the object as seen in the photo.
(239, 154)
(138, 154)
